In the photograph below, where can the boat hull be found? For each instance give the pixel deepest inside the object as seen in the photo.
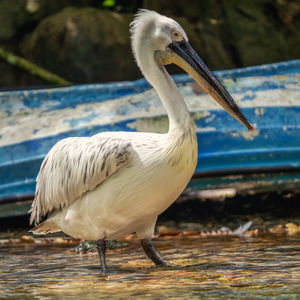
(32, 121)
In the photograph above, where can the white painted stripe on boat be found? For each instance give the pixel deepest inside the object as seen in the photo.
(36, 123)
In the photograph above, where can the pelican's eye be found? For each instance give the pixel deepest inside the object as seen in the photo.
(177, 36)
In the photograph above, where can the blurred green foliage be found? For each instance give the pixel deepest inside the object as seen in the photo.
(108, 3)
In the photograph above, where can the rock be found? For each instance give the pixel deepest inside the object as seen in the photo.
(83, 45)
(13, 77)
(251, 34)
(13, 16)
(204, 37)
(86, 44)
(20, 16)
(240, 33)
(288, 12)
(89, 45)
(202, 23)
(192, 11)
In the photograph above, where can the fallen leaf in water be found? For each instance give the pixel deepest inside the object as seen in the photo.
(171, 233)
(292, 228)
(27, 239)
(277, 229)
(45, 241)
(190, 233)
(252, 232)
(60, 240)
(163, 229)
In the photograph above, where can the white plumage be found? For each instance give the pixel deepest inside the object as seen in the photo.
(75, 166)
(153, 171)
(116, 183)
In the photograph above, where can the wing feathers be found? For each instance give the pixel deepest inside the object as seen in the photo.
(73, 167)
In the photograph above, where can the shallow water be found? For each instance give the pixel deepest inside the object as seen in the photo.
(266, 267)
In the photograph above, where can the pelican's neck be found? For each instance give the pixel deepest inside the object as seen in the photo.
(158, 77)
(179, 116)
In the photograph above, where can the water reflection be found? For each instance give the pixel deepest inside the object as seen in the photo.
(236, 268)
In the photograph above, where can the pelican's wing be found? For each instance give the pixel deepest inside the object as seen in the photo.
(74, 166)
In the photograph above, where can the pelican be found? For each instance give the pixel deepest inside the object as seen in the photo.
(115, 183)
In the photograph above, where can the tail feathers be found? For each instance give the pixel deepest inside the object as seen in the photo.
(45, 227)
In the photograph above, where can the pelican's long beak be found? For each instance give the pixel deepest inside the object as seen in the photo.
(184, 56)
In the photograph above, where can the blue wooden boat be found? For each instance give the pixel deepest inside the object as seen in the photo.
(32, 121)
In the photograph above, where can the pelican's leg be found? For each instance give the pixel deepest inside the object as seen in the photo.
(152, 253)
(101, 246)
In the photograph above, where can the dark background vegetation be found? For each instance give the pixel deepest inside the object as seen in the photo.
(87, 41)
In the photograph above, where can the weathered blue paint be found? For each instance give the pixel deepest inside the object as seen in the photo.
(223, 143)
(58, 98)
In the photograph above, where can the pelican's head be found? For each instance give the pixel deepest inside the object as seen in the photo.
(166, 42)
